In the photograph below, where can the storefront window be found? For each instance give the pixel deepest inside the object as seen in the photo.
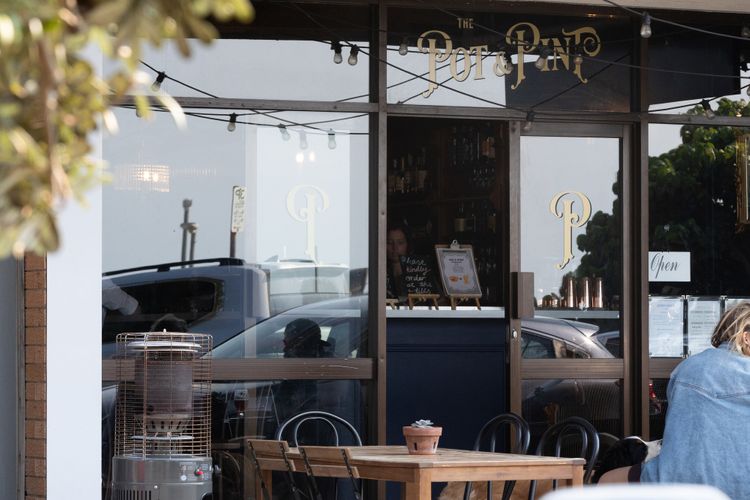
(571, 230)
(461, 58)
(285, 45)
(698, 237)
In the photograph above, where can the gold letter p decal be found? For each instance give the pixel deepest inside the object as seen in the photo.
(570, 220)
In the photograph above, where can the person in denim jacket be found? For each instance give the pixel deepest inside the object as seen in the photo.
(707, 432)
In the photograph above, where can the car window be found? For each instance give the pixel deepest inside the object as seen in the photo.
(538, 347)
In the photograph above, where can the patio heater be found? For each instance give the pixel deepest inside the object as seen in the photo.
(162, 426)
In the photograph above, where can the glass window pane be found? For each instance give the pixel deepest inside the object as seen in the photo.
(267, 59)
(571, 230)
(546, 402)
(697, 248)
(299, 244)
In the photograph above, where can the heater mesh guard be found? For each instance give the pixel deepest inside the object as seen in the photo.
(163, 394)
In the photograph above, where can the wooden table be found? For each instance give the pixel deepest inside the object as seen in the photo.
(418, 472)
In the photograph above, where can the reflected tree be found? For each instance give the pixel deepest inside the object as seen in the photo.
(692, 208)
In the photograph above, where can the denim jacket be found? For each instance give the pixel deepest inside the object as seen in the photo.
(707, 432)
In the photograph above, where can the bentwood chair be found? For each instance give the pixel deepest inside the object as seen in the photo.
(572, 427)
(340, 431)
(267, 454)
(336, 464)
(317, 427)
(487, 439)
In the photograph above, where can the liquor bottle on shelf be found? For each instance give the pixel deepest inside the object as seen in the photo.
(406, 173)
(401, 180)
(422, 171)
(459, 222)
(392, 176)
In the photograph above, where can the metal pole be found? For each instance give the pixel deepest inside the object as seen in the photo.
(232, 243)
(186, 203)
(193, 232)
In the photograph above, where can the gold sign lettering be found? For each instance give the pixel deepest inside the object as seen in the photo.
(524, 37)
(570, 219)
(315, 201)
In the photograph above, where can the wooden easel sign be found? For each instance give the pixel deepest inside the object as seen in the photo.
(458, 273)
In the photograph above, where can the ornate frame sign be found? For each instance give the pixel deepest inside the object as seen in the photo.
(457, 270)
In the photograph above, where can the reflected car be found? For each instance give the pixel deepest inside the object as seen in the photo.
(546, 401)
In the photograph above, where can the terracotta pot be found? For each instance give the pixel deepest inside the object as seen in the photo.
(422, 440)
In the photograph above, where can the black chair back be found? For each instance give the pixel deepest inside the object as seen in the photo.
(553, 438)
(489, 435)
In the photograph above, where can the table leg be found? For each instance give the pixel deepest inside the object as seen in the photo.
(420, 488)
(577, 479)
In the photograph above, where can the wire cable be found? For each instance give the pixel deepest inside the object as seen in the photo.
(679, 25)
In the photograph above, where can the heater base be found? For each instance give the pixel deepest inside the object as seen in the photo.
(169, 478)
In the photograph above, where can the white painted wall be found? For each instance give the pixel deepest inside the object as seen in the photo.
(74, 355)
(9, 304)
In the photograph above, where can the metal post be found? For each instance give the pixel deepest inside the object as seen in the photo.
(186, 203)
(232, 243)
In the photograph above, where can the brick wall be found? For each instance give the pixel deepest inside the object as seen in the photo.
(35, 364)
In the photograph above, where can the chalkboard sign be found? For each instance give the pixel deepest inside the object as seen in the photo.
(417, 275)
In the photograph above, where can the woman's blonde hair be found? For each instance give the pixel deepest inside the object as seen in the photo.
(731, 326)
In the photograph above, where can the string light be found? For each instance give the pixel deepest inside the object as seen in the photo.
(745, 32)
(646, 25)
(544, 53)
(331, 139)
(284, 132)
(707, 108)
(159, 79)
(353, 55)
(529, 121)
(403, 49)
(302, 139)
(336, 48)
(232, 122)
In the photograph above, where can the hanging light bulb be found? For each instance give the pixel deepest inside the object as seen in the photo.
(503, 64)
(232, 122)
(707, 108)
(745, 32)
(159, 79)
(529, 121)
(331, 139)
(544, 53)
(646, 25)
(353, 55)
(336, 48)
(300, 157)
(403, 49)
(311, 156)
(302, 139)
(284, 132)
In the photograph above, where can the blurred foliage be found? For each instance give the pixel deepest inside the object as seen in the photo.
(51, 98)
(692, 208)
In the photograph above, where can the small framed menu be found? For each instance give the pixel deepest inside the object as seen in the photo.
(458, 272)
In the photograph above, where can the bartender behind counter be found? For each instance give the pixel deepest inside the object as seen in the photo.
(398, 243)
